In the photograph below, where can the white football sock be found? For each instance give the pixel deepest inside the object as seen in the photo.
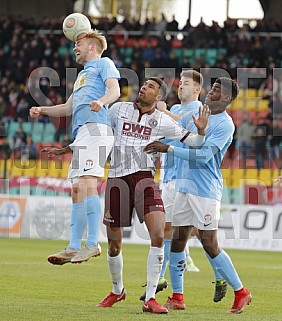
(115, 265)
(154, 266)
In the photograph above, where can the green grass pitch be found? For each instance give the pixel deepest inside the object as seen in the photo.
(33, 289)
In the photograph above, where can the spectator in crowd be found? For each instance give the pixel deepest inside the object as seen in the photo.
(172, 25)
(260, 146)
(66, 141)
(27, 150)
(22, 110)
(245, 144)
(275, 138)
(18, 139)
(3, 107)
(236, 47)
(3, 131)
(162, 24)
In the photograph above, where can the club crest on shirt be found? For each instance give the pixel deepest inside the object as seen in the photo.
(153, 123)
(80, 82)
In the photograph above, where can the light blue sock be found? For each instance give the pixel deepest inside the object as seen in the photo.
(166, 257)
(217, 275)
(93, 210)
(176, 268)
(78, 224)
(225, 267)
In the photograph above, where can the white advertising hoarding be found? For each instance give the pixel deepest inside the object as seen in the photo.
(242, 227)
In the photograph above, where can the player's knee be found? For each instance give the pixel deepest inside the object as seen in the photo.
(157, 240)
(211, 248)
(167, 235)
(177, 245)
(114, 248)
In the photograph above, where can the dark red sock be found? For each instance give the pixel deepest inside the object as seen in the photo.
(240, 292)
(178, 296)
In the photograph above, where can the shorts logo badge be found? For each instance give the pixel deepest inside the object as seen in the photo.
(88, 165)
(108, 217)
(208, 220)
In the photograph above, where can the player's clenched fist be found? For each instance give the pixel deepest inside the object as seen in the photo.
(96, 105)
(161, 106)
(34, 112)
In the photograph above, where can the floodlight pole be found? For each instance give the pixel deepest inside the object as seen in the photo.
(114, 7)
(227, 8)
(189, 8)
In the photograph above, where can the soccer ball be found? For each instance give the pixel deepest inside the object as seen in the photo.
(75, 24)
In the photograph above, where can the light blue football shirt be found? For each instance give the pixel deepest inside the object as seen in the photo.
(90, 85)
(198, 170)
(170, 162)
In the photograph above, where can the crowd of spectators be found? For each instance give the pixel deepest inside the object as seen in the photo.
(26, 45)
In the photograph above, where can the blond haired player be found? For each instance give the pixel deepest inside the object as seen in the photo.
(95, 87)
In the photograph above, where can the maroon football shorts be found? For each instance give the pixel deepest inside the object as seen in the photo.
(137, 190)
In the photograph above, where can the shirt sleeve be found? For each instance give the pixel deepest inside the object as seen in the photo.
(112, 113)
(108, 69)
(175, 132)
(201, 155)
(215, 142)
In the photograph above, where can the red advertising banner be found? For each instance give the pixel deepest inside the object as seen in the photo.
(263, 195)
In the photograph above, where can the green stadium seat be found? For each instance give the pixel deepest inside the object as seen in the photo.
(13, 127)
(178, 53)
(211, 55)
(37, 132)
(25, 190)
(27, 127)
(49, 133)
(33, 190)
(188, 53)
(39, 191)
(226, 194)
(126, 53)
(237, 196)
(14, 191)
(62, 51)
(222, 51)
(50, 192)
(200, 52)
(211, 61)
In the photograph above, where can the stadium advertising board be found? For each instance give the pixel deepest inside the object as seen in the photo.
(241, 227)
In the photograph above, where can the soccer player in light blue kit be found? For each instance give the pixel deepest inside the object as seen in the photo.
(199, 191)
(188, 92)
(96, 86)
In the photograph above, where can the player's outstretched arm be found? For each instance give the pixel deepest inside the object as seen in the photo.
(162, 106)
(111, 96)
(197, 140)
(56, 151)
(155, 147)
(54, 111)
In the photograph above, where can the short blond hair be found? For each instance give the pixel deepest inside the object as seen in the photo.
(193, 74)
(99, 39)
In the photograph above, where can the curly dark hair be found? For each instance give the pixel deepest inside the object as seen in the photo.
(229, 86)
